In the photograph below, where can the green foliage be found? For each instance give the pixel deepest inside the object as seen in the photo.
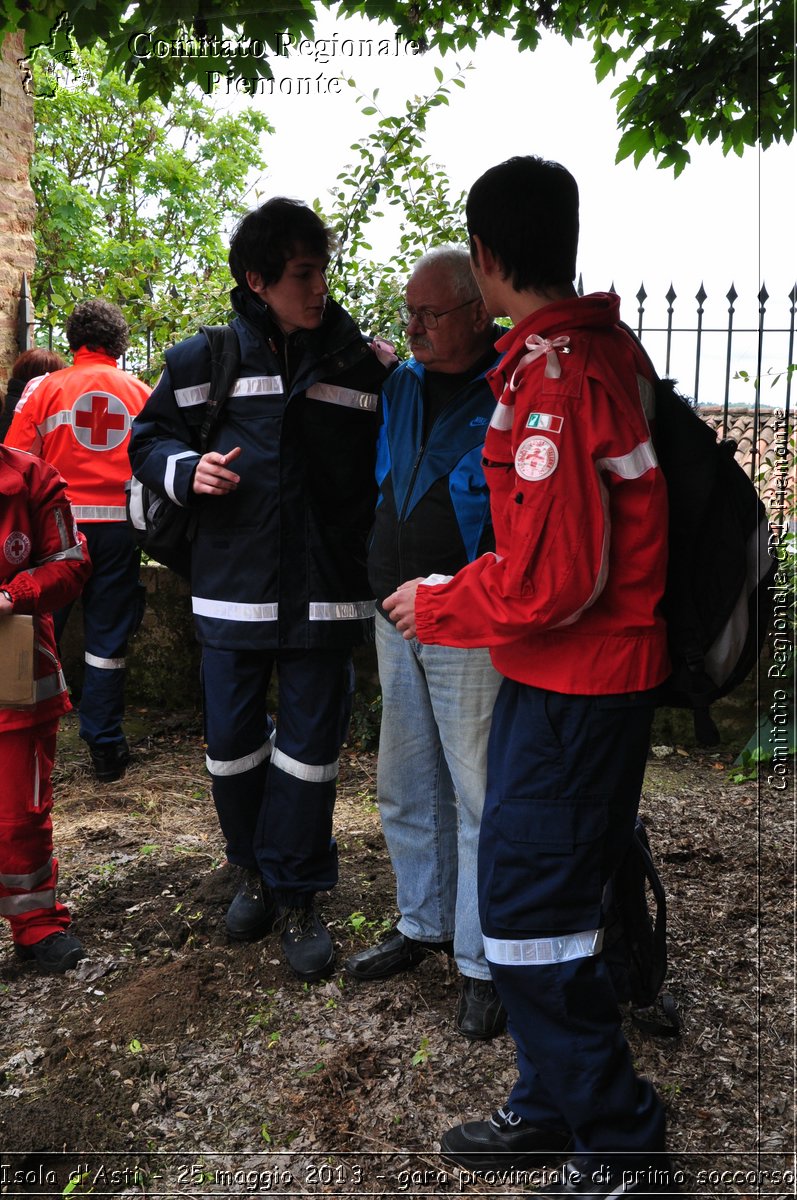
(391, 170)
(133, 198)
(698, 70)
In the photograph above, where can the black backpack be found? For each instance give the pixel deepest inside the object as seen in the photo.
(718, 599)
(164, 530)
(635, 939)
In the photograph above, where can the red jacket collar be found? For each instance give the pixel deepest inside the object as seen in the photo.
(599, 308)
(92, 358)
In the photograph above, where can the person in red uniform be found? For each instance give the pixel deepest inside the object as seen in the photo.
(43, 565)
(569, 605)
(79, 420)
(30, 368)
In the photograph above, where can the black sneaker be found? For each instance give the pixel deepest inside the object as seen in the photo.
(109, 759)
(592, 1179)
(54, 954)
(305, 942)
(252, 910)
(480, 1014)
(505, 1141)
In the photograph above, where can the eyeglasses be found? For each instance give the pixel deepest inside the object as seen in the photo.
(425, 316)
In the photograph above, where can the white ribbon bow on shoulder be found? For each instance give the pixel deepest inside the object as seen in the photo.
(537, 346)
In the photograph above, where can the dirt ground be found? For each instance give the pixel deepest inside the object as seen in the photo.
(174, 1063)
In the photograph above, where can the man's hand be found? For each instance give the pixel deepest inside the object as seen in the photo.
(400, 606)
(211, 477)
(6, 607)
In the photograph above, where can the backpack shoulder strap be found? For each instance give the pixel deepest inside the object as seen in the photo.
(225, 358)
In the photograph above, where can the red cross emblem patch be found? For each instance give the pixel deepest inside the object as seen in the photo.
(100, 420)
(17, 548)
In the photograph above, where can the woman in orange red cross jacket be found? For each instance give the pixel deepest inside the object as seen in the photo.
(79, 420)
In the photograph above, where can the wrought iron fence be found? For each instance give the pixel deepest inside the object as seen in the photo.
(733, 353)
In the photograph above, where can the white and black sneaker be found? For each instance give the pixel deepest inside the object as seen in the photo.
(594, 1179)
(505, 1141)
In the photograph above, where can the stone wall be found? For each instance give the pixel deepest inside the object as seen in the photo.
(17, 209)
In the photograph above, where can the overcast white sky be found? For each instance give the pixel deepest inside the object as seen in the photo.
(723, 220)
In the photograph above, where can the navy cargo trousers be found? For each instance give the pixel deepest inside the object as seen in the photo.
(564, 777)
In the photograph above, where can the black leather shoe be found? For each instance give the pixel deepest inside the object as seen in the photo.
(56, 953)
(306, 943)
(480, 1014)
(109, 760)
(591, 1179)
(252, 911)
(394, 954)
(506, 1140)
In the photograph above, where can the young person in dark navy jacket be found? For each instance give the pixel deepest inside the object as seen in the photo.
(569, 604)
(284, 499)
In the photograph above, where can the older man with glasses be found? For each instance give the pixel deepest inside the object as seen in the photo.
(433, 516)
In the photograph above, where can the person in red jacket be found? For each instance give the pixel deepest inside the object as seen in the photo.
(79, 420)
(43, 565)
(569, 606)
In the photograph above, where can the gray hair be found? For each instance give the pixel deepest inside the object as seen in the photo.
(455, 262)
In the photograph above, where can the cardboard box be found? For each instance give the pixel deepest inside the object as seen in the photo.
(16, 661)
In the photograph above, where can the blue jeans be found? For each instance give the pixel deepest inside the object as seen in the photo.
(437, 705)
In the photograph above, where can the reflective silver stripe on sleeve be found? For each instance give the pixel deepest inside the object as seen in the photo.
(603, 569)
(503, 416)
(188, 397)
(29, 881)
(65, 538)
(541, 952)
(171, 469)
(631, 465)
(105, 664)
(343, 610)
(250, 385)
(227, 610)
(12, 906)
(75, 552)
(49, 686)
(238, 766)
(347, 397)
(257, 385)
(99, 512)
(300, 770)
(136, 504)
(647, 396)
(51, 423)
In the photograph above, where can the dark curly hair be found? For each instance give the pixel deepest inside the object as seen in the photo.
(98, 325)
(268, 236)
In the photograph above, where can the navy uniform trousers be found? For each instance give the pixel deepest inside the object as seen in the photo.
(274, 789)
(113, 605)
(564, 776)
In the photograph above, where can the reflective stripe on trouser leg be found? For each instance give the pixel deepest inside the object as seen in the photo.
(112, 609)
(238, 735)
(564, 776)
(28, 870)
(295, 849)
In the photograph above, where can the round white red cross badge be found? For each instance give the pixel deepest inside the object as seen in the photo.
(537, 457)
(100, 420)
